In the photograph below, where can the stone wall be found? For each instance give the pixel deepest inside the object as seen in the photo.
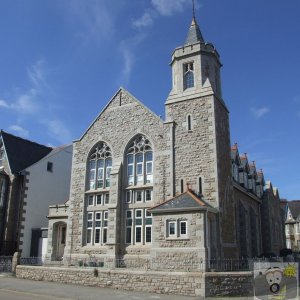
(234, 284)
(180, 283)
(248, 222)
(122, 119)
(195, 149)
(180, 252)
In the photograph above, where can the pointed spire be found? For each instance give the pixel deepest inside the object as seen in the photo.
(194, 34)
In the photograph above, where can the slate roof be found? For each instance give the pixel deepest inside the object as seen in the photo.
(294, 207)
(186, 201)
(260, 177)
(194, 34)
(22, 153)
(244, 162)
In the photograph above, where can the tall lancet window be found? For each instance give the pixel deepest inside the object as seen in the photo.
(188, 75)
(140, 162)
(138, 194)
(100, 163)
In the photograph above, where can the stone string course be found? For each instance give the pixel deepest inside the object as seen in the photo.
(179, 283)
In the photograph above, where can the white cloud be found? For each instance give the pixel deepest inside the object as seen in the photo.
(127, 48)
(94, 18)
(168, 7)
(259, 112)
(58, 130)
(145, 20)
(296, 99)
(34, 103)
(19, 130)
(26, 103)
(36, 74)
(4, 104)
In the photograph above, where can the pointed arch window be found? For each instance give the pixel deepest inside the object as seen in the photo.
(140, 162)
(188, 75)
(100, 164)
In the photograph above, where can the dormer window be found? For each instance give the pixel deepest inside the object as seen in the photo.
(188, 75)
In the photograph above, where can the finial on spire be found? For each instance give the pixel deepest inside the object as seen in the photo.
(194, 34)
(193, 9)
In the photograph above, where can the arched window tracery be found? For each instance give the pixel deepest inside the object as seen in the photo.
(139, 162)
(138, 191)
(100, 164)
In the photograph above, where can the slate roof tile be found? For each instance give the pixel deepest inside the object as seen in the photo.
(22, 153)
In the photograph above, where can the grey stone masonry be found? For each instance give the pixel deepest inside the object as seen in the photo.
(234, 284)
(179, 283)
(121, 120)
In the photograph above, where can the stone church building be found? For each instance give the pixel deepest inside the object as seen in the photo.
(166, 192)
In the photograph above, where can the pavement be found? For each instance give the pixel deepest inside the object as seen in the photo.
(12, 288)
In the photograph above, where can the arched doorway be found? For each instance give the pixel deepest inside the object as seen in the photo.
(59, 240)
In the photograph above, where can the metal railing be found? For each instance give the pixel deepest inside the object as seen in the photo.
(5, 263)
(142, 263)
(32, 261)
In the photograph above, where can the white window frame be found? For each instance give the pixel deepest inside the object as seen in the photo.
(141, 193)
(100, 162)
(97, 197)
(137, 220)
(128, 225)
(100, 216)
(138, 227)
(176, 225)
(105, 227)
(106, 197)
(151, 195)
(148, 175)
(90, 200)
(139, 166)
(180, 229)
(188, 68)
(92, 174)
(171, 222)
(128, 196)
(97, 227)
(89, 228)
(148, 219)
(108, 168)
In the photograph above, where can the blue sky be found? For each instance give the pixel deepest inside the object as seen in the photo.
(62, 60)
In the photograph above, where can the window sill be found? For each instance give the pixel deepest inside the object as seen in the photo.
(180, 238)
(98, 191)
(139, 187)
(92, 247)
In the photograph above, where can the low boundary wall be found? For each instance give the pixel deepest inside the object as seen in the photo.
(229, 284)
(179, 283)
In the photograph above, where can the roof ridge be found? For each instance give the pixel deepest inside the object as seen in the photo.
(25, 140)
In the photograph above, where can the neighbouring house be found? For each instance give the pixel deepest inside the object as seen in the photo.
(292, 224)
(163, 192)
(32, 176)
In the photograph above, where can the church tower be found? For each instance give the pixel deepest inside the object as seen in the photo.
(201, 137)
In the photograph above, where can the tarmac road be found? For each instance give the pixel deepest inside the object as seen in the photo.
(12, 288)
(20, 289)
